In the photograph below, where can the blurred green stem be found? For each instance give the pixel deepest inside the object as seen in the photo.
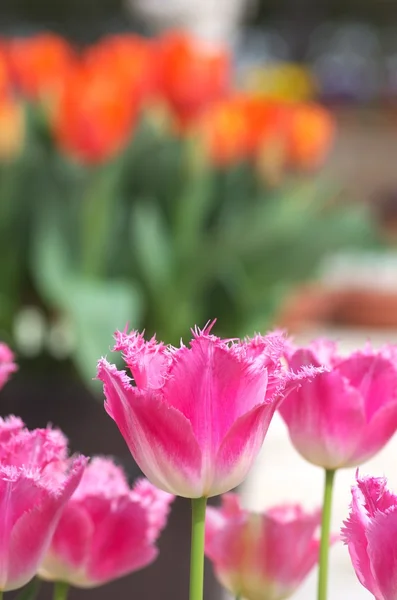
(325, 533)
(197, 549)
(61, 590)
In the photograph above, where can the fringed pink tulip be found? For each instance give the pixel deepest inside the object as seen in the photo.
(36, 480)
(7, 364)
(196, 418)
(106, 530)
(370, 533)
(344, 416)
(261, 556)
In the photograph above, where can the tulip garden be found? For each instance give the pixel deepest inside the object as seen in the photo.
(141, 188)
(194, 419)
(140, 182)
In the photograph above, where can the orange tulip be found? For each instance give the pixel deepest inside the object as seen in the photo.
(240, 126)
(191, 74)
(224, 132)
(12, 128)
(94, 117)
(4, 72)
(311, 135)
(129, 58)
(40, 64)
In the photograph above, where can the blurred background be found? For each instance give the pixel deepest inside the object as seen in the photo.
(162, 164)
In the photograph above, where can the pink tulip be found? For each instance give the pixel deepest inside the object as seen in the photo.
(7, 365)
(370, 533)
(344, 416)
(196, 418)
(106, 530)
(261, 556)
(36, 481)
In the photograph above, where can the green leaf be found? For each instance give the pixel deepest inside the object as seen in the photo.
(151, 245)
(97, 309)
(94, 308)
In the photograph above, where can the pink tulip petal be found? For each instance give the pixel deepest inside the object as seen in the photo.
(374, 377)
(381, 534)
(209, 383)
(9, 427)
(159, 437)
(375, 435)
(325, 419)
(261, 556)
(240, 448)
(71, 542)
(147, 361)
(156, 504)
(288, 543)
(364, 499)
(33, 530)
(7, 365)
(120, 543)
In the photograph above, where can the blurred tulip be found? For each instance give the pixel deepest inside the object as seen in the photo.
(12, 128)
(40, 65)
(192, 74)
(345, 416)
(174, 419)
(7, 364)
(223, 130)
(370, 534)
(311, 135)
(261, 556)
(242, 126)
(36, 481)
(106, 530)
(5, 81)
(95, 115)
(127, 58)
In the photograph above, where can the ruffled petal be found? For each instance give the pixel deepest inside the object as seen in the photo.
(33, 529)
(120, 544)
(240, 448)
(382, 552)
(213, 386)
(159, 437)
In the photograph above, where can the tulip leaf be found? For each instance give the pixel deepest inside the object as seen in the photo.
(97, 309)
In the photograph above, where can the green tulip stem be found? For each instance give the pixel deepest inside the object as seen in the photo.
(325, 535)
(197, 549)
(61, 590)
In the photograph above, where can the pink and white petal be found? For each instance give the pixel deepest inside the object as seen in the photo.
(325, 419)
(159, 437)
(354, 535)
(71, 543)
(7, 365)
(213, 386)
(121, 543)
(148, 361)
(239, 449)
(382, 553)
(9, 427)
(33, 531)
(156, 504)
(375, 435)
(287, 535)
(374, 376)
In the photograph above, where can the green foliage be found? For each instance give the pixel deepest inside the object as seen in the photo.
(158, 239)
